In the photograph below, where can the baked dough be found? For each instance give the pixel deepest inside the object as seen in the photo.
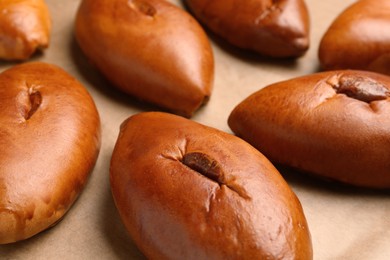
(358, 38)
(272, 28)
(49, 142)
(332, 124)
(25, 28)
(188, 191)
(150, 49)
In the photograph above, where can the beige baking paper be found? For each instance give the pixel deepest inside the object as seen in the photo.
(345, 223)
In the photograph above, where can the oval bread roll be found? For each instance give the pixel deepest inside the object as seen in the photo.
(358, 38)
(187, 191)
(332, 124)
(49, 142)
(25, 28)
(150, 49)
(271, 28)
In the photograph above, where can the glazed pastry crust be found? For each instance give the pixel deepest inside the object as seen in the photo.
(358, 38)
(272, 28)
(188, 191)
(152, 50)
(331, 124)
(25, 28)
(49, 142)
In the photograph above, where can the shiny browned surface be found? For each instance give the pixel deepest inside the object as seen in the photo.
(359, 38)
(49, 142)
(272, 28)
(187, 191)
(24, 27)
(345, 222)
(150, 49)
(332, 124)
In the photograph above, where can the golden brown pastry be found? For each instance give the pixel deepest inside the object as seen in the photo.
(331, 124)
(49, 142)
(25, 28)
(187, 191)
(271, 28)
(359, 38)
(150, 49)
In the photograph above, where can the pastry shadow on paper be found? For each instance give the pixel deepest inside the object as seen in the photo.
(323, 185)
(251, 57)
(24, 245)
(37, 56)
(113, 229)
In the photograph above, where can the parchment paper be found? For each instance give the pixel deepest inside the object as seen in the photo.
(345, 223)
